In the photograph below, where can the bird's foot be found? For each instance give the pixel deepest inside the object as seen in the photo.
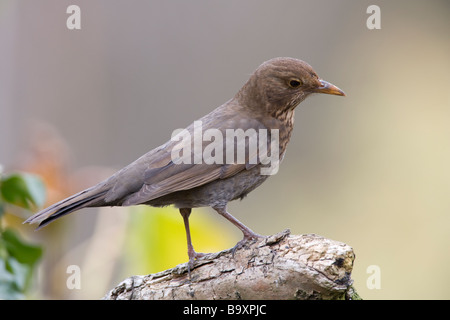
(192, 257)
(248, 237)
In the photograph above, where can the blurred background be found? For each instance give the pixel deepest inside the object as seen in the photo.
(371, 169)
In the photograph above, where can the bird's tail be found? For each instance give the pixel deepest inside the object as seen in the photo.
(87, 198)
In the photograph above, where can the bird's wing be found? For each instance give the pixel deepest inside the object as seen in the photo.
(172, 177)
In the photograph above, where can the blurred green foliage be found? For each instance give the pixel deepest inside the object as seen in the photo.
(18, 192)
(158, 239)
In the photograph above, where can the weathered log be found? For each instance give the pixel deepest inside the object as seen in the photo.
(281, 266)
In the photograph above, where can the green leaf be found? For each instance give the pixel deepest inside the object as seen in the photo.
(17, 260)
(36, 188)
(2, 208)
(18, 257)
(12, 279)
(14, 190)
(24, 252)
(24, 190)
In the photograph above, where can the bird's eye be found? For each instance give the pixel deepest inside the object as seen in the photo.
(295, 83)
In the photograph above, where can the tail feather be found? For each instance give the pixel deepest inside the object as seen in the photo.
(86, 198)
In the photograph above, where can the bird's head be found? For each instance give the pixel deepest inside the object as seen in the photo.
(280, 84)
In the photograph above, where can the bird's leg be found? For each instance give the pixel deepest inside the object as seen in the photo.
(185, 213)
(248, 233)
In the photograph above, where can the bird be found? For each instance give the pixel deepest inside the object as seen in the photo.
(175, 173)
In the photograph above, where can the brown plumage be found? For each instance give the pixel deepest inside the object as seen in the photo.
(266, 102)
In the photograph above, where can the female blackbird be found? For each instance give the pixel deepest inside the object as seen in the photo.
(264, 105)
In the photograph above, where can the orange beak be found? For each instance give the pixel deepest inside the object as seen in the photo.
(328, 88)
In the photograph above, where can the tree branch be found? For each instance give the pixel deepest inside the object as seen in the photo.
(281, 266)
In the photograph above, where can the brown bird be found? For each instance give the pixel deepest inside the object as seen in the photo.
(202, 171)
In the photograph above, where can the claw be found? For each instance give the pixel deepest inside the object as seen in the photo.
(248, 237)
(192, 257)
